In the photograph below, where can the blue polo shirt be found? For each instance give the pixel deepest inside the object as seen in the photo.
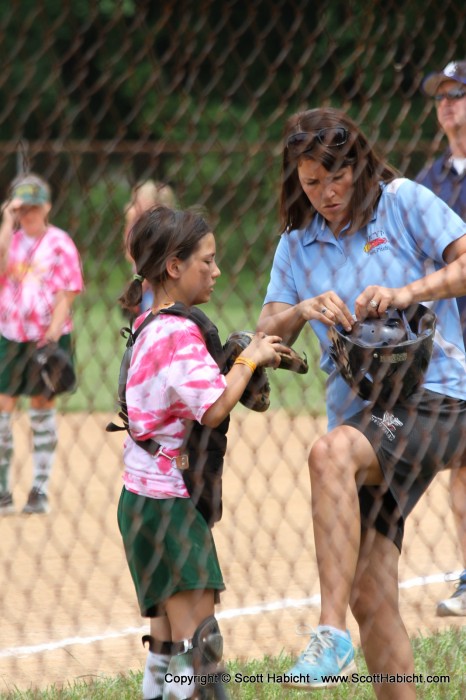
(404, 241)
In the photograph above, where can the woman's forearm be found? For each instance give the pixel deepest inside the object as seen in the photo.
(283, 320)
(446, 283)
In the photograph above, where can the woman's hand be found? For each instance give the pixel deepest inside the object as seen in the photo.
(327, 308)
(374, 301)
(288, 320)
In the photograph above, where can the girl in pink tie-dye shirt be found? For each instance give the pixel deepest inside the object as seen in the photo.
(40, 276)
(172, 381)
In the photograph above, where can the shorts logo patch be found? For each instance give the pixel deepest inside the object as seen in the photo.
(389, 423)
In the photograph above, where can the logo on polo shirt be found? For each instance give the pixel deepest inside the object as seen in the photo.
(376, 242)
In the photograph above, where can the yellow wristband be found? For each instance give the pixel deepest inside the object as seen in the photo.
(245, 361)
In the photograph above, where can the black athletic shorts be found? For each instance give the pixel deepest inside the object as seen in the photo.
(413, 441)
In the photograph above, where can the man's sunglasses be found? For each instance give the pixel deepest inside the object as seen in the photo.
(330, 136)
(456, 94)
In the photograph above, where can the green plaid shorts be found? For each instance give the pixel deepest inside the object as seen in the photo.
(169, 548)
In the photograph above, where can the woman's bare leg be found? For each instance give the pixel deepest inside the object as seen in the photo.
(336, 462)
(375, 605)
(458, 507)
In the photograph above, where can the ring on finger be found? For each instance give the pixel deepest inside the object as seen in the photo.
(323, 310)
(374, 304)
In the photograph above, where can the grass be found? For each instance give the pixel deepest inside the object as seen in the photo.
(442, 654)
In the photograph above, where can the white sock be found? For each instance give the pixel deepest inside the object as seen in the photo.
(44, 441)
(180, 665)
(154, 675)
(6, 451)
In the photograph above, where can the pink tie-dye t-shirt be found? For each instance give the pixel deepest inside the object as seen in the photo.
(172, 380)
(37, 269)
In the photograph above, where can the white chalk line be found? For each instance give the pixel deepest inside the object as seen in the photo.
(283, 604)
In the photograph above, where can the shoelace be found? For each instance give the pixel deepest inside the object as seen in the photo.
(318, 642)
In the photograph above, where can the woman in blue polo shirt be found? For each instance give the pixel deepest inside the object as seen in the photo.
(358, 240)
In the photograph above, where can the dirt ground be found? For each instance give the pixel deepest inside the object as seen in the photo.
(68, 607)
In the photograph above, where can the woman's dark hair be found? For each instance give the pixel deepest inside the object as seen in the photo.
(369, 169)
(159, 234)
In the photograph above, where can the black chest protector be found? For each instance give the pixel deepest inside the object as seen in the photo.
(205, 447)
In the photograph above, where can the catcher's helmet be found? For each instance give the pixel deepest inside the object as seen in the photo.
(385, 359)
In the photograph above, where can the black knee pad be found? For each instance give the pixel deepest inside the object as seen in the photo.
(208, 641)
(207, 655)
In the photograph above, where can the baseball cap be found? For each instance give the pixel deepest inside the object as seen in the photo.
(455, 70)
(31, 190)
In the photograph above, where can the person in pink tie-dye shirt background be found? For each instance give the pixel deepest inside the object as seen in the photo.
(40, 276)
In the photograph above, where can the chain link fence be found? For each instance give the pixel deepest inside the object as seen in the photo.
(98, 96)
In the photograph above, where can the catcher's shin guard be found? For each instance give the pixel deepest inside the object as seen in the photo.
(203, 653)
(207, 655)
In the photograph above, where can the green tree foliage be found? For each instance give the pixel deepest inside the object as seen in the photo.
(106, 68)
(202, 90)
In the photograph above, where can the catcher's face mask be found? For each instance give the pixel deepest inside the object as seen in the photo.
(384, 359)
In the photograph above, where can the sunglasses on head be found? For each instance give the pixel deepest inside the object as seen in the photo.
(329, 136)
(455, 94)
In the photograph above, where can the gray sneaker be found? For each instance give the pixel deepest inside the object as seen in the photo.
(456, 604)
(6, 503)
(37, 503)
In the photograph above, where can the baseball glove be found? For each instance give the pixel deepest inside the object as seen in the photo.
(52, 370)
(256, 396)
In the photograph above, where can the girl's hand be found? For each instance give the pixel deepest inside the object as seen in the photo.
(264, 350)
(9, 214)
(8, 225)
